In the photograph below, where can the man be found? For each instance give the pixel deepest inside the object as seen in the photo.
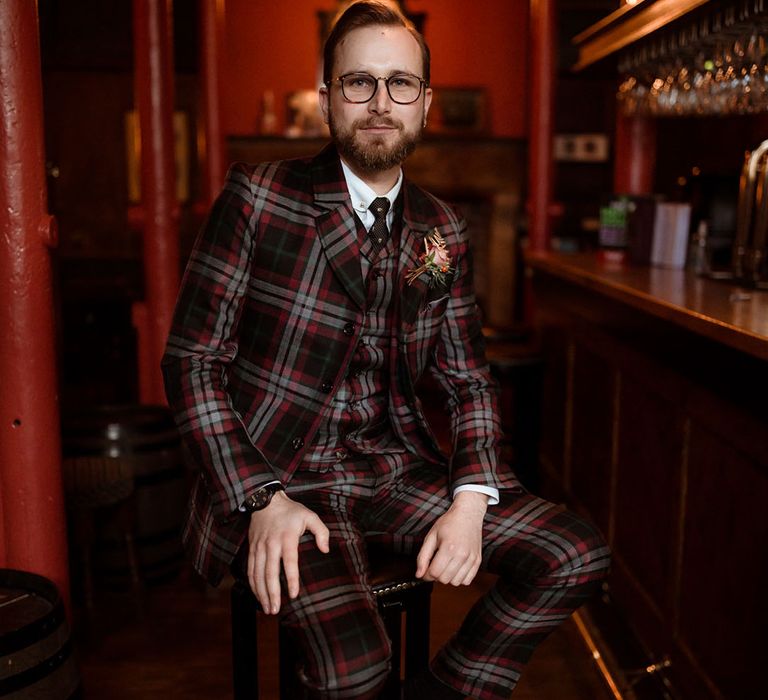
(305, 319)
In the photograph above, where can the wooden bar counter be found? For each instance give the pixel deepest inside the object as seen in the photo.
(654, 423)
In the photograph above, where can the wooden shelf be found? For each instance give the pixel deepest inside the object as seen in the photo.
(628, 25)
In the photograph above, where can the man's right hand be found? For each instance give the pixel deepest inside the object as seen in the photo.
(273, 538)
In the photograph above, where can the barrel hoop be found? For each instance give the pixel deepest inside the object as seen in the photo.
(28, 678)
(98, 446)
(32, 632)
(159, 476)
(172, 534)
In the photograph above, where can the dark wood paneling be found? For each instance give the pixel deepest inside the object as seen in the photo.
(553, 402)
(725, 564)
(592, 433)
(687, 508)
(648, 488)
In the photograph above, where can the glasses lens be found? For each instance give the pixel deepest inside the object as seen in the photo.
(404, 88)
(358, 87)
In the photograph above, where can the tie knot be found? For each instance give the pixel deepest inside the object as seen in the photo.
(379, 207)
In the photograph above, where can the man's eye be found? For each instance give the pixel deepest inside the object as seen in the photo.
(359, 81)
(402, 81)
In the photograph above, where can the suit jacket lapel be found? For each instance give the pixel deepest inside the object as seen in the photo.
(336, 223)
(412, 296)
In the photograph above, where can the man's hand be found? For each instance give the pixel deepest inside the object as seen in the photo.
(273, 537)
(452, 550)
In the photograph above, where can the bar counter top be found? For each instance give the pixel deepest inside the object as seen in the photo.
(719, 310)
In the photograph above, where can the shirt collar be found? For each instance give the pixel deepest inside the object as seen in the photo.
(362, 195)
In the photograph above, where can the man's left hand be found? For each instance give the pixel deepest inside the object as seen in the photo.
(452, 550)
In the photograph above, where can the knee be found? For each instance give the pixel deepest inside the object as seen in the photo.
(587, 558)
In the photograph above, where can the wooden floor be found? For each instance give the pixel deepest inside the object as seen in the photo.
(179, 647)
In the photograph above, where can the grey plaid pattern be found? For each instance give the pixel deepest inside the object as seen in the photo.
(549, 561)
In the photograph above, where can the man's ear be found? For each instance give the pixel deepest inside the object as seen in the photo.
(324, 98)
(427, 103)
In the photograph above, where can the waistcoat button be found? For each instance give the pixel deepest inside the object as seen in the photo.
(326, 386)
(349, 328)
(297, 443)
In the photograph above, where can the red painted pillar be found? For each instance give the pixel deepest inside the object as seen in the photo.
(32, 520)
(541, 119)
(635, 157)
(153, 86)
(211, 34)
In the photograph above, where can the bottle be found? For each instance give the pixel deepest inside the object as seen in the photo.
(697, 255)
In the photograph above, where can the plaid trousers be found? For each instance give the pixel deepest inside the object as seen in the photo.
(548, 561)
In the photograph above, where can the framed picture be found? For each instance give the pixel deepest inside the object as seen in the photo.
(459, 110)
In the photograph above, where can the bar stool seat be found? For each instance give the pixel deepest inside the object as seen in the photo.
(397, 592)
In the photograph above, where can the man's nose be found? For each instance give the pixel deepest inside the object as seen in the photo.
(381, 102)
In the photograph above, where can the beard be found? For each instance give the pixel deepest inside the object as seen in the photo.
(374, 154)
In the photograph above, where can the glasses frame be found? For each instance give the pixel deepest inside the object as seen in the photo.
(423, 84)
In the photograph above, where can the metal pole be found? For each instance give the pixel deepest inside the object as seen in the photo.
(541, 170)
(153, 85)
(33, 523)
(211, 33)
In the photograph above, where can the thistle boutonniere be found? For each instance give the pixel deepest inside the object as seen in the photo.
(435, 261)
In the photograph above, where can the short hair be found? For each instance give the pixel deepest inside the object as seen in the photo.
(368, 13)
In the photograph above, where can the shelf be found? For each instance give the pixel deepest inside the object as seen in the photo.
(628, 25)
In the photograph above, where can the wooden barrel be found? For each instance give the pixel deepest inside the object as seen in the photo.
(145, 439)
(36, 659)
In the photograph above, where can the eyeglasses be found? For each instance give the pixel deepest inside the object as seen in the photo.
(402, 88)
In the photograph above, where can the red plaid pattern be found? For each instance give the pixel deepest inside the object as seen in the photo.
(268, 315)
(548, 560)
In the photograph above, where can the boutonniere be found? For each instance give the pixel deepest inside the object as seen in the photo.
(435, 261)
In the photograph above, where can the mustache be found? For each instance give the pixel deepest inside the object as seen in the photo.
(377, 122)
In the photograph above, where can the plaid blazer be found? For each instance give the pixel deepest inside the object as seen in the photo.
(269, 313)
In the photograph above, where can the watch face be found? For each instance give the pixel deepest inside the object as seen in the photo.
(260, 499)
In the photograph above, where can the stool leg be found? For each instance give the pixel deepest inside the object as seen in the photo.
(290, 688)
(391, 614)
(417, 619)
(245, 667)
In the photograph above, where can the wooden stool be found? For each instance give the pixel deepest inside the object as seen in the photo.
(397, 591)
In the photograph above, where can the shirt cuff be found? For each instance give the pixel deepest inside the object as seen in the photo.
(492, 493)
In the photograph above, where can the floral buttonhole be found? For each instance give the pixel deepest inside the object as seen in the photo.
(435, 261)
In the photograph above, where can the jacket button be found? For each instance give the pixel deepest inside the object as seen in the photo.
(349, 328)
(326, 386)
(297, 443)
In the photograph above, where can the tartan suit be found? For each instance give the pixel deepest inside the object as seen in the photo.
(267, 320)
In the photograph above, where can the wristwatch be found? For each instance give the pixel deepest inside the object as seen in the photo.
(261, 497)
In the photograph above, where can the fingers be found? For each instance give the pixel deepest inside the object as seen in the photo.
(425, 554)
(291, 569)
(272, 578)
(449, 565)
(318, 528)
(273, 537)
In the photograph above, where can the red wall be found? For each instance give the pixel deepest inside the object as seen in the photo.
(275, 46)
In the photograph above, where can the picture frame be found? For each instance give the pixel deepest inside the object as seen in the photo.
(459, 110)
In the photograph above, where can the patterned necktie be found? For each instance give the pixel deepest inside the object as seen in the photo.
(379, 231)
